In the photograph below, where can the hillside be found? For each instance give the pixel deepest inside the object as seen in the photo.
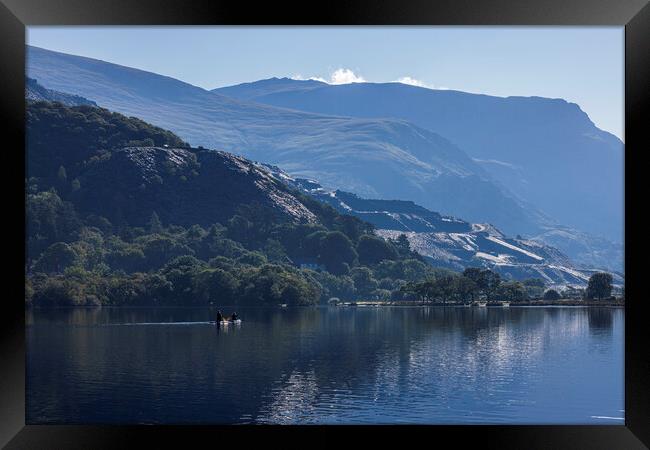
(116, 176)
(379, 158)
(451, 242)
(176, 225)
(183, 186)
(546, 150)
(156, 224)
(35, 92)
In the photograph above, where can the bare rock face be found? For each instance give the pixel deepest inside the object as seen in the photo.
(183, 186)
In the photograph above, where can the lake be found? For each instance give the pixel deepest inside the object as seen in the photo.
(329, 365)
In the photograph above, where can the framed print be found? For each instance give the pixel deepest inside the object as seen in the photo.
(391, 219)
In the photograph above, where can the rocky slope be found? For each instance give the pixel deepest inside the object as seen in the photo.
(451, 242)
(183, 186)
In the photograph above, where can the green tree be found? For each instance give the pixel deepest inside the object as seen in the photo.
(364, 282)
(180, 272)
(402, 245)
(252, 259)
(275, 252)
(129, 258)
(242, 230)
(293, 237)
(511, 291)
(551, 294)
(270, 283)
(373, 249)
(341, 287)
(223, 263)
(334, 250)
(428, 291)
(215, 286)
(406, 269)
(53, 292)
(600, 285)
(158, 250)
(49, 220)
(486, 280)
(56, 258)
(465, 289)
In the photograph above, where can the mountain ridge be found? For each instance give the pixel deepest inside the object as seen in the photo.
(546, 150)
(372, 157)
(378, 158)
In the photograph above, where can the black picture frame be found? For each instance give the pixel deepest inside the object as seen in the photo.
(633, 14)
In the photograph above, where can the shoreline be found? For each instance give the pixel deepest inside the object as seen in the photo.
(584, 303)
(362, 304)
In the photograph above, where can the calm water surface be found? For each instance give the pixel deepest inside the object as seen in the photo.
(327, 365)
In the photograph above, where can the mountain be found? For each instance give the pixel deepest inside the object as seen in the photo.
(585, 250)
(88, 155)
(380, 158)
(545, 150)
(36, 92)
(448, 241)
(165, 224)
(183, 185)
(257, 89)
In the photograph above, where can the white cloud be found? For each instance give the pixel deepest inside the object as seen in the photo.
(412, 82)
(345, 76)
(339, 76)
(300, 77)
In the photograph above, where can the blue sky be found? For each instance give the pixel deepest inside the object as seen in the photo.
(579, 64)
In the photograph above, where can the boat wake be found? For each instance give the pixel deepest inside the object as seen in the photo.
(160, 323)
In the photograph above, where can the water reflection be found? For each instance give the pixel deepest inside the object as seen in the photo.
(600, 320)
(326, 365)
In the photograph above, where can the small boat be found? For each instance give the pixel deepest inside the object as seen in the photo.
(482, 304)
(228, 322)
(283, 305)
(505, 304)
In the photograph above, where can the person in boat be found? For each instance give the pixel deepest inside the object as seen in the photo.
(219, 316)
(234, 316)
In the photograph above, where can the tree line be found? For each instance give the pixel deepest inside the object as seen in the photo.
(252, 259)
(249, 260)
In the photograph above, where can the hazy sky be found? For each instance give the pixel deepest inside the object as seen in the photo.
(579, 64)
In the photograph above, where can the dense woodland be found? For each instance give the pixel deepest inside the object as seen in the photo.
(78, 257)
